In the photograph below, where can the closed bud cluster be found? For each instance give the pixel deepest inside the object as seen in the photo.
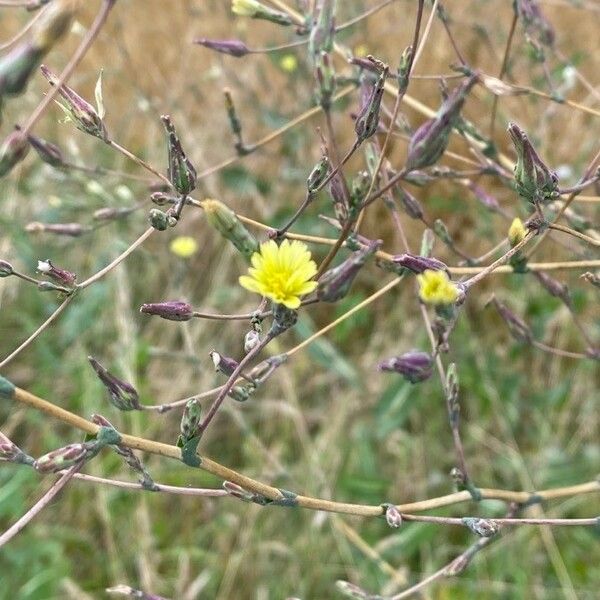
(235, 48)
(60, 276)
(418, 264)
(430, 141)
(175, 310)
(13, 151)
(335, 283)
(225, 221)
(160, 220)
(517, 327)
(256, 10)
(414, 366)
(481, 527)
(181, 172)
(83, 114)
(50, 153)
(534, 180)
(368, 119)
(122, 395)
(6, 269)
(62, 458)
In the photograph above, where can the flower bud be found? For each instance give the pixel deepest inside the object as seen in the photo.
(335, 283)
(430, 141)
(11, 452)
(427, 243)
(256, 10)
(224, 364)
(68, 229)
(62, 458)
(122, 395)
(517, 327)
(162, 198)
(325, 78)
(160, 220)
(59, 276)
(516, 232)
(235, 124)
(318, 175)
(440, 229)
(410, 204)
(225, 221)
(50, 153)
(6, 269)
(181, 172)
(414, 366)
(171, 311)
(241, 393)
(481, 527)
(486, 199)
(534, 180)
(232, 47)
(323, 30)
(404, 69)
(368, 119)
(392, 515)
(251, 340)
(83, 114)
(554, 288)
(418, 264)
(190, 420)
(13, 151)
(283, 319)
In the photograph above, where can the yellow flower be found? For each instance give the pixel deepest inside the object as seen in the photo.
(289, 63)
(245, 8)
(436, 288)
(282, 273)
(184, 246)
(516, 232)
(361, 50)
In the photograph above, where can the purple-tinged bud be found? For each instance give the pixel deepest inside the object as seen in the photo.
(6, 269)
(338, 196)
(62, 458)
(50, 153)
(410, 204)
(554, 288)
(84, 115)
(162, 198)
(534, 21)
(430, 141)
(190, 421)
(68, 229)
(111, 214)
(533, 179)
(13, 151)
(418, 264)
(237, 491)
(486, 199)
(172, 311)
(232, 47)
(517, 327)
(364, 63)
(17, 66)
(392, 515)
(60, 276)
(224, 364)
(481, 527)
(11, 452)
(368, 119)
(323, 30)
(335, 283)
(181, 172)
(414, 366)
(122, 394)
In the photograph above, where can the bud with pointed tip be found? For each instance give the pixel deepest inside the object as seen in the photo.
(235, 48)
(335, 283)
(414, 366)
(404, 69)
(60, 276)
(225, 221)
(84, 115)
(190, 421)
(517, 327)
(13, 151)
(122, 394)
(410, 204)
(368, 119)
(68, 229)
(6, 269)
(181, 172)
(318, 175)
(418, 264)
(554, 287)
(224, 364)
(171, 311)
(62, 458)
(50, 153)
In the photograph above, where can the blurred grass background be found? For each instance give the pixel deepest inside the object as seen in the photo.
(328, 425)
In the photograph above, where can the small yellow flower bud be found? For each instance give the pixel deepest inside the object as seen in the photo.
(184, 246)
(436, 288)
(516, 232)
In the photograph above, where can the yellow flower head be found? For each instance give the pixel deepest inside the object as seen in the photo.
(436, 288)
(282, 273)
(184, 246)
(289, 63)
(516, 232)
